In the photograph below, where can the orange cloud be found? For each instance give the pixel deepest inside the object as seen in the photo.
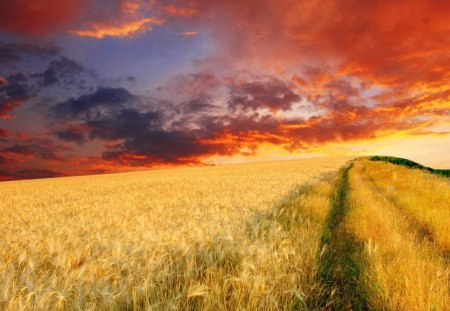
(127, 29)
(189, 33)
(392, 56)
(130, 7)
(180, 11)
(384, 41)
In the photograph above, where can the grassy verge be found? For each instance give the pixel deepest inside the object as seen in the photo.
(411, 164)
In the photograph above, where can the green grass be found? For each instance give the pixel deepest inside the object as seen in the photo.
(411, 164)
(341, 262)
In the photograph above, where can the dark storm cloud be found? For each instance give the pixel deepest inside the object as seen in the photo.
(147, 142)
(42, 153)
(19, 149)
(197, 105)
(124, 124)
(244, 124)
(13, 92)
(11, 52)
(15, 87)
(273, 94)
(36, 148)
(172, 133)
(71, 134)
(62, 71)
(139, 131)
(88, 106)
(160, 146)
(142, 135)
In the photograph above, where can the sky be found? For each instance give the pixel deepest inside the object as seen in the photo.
(91, 87)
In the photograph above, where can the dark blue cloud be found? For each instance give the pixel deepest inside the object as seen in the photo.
(12, 52)
(166, 133)
(71, 134)
(39, 148)
(273, 94)
(87, 106)
(62, 71)
(124, 124)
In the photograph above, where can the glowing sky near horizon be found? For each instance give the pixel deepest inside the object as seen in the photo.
(104, 86)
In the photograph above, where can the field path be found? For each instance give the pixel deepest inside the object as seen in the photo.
(341, 261)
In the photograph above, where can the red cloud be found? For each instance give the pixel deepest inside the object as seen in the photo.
(22, 135)
(180, 11)
(3, 132)
(389, 43)
(7, 106)
(30, 17)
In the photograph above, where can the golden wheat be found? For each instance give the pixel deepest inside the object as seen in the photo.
(424, 197)
(404, 270)
(263, 236)
(211, 238)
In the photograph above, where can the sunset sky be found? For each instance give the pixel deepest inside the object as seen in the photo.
(106, 86)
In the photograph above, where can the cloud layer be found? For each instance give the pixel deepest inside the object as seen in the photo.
(295, 75)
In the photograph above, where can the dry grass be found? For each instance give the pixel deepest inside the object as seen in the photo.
(231, 237)
(403, 267)
(424, 197)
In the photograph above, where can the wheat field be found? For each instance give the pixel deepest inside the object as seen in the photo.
(401, 217)
(314, 234)
(191, 238)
